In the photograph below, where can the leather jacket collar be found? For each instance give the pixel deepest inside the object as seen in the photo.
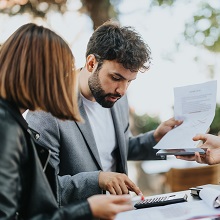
(14, 110)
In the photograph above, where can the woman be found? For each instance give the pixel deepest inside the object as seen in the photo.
(211, 144)
(37, 72)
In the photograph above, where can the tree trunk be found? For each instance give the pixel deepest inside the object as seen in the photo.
(99, 11)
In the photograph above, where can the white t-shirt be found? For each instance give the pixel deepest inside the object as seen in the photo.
(104, 132)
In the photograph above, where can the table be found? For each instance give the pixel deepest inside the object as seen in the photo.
(191, 209)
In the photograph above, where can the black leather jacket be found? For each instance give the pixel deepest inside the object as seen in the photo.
(25, 192)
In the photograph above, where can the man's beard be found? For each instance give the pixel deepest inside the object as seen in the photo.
(98, 93)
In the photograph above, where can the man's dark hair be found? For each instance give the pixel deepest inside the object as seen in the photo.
(110, 41)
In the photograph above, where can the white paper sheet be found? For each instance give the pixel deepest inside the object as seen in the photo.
(210, 196)
(179, 211)
(195, 105)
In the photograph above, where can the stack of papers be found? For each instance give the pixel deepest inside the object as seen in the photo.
(195, 106)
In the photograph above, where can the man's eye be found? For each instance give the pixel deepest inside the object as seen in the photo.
(116, 78)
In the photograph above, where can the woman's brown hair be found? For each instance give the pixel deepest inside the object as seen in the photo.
(37, 72)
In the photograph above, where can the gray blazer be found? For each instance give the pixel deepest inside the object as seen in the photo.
(74, 151)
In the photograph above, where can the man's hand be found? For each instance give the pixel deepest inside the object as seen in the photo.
(117, 183)
(165, 127)
(212, 155)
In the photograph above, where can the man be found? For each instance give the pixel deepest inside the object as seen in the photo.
(91, 157)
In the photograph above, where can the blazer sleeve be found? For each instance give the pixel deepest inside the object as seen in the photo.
(141, 147)
(73, 187)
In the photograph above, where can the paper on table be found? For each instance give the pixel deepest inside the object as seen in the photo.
(195, 105)
(179, 211)
(210, 196)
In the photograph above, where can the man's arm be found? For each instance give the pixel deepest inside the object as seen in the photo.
(82, 184)
(141, 146)
(73, 187)
(79, 186)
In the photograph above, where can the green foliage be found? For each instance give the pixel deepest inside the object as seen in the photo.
(163, 2)
(145, 123)
(203, 28)
(215, 126)
(98, 10)
(37, 8)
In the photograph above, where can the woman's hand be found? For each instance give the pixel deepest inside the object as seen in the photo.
(108, 206)
(212, 155)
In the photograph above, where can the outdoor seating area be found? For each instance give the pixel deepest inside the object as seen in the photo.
(178, 179)
(109, 110)
(156, 177)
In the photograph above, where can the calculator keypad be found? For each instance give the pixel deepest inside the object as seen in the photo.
(159, 201)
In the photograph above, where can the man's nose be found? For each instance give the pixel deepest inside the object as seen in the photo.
(122, 88)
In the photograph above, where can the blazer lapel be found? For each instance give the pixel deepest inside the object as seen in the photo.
(120, 137)
(87, 133)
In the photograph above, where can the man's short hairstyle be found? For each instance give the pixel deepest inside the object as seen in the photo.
(110, 41)
(37, 72)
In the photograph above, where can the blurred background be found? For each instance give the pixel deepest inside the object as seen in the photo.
(184, 37)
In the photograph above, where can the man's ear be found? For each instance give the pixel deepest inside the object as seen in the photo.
(91, 62)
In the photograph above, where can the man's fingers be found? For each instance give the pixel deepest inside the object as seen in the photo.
(173, 122)
(124, 188)
(118, 189)
(126, 184)
(117, 183)
(132, 187)
(111, 190)
(178, 122)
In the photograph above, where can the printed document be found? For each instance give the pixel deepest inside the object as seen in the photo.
(195, 105)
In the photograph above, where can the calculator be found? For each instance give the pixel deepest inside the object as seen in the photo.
(161, 200)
